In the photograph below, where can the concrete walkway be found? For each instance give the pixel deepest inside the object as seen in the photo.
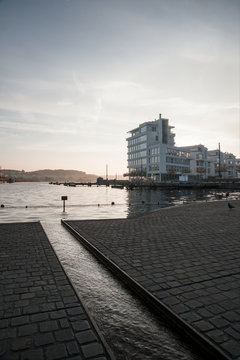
(41, 316)
(185, 262)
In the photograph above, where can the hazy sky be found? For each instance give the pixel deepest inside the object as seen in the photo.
(77, 75)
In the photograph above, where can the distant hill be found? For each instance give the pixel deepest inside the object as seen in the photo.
(50, 175)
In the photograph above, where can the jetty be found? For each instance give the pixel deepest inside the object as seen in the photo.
(41, 315)
(184, 263)
(233, 184)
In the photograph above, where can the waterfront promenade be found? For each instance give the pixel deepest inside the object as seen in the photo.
(184, 262)
(41, 316)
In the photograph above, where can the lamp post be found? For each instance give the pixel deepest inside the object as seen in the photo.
(219, 161)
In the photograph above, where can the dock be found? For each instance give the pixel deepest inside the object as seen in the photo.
(184, 263)
(233, 185)
(41, 315)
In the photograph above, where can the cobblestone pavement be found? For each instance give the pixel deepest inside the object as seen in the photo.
(41, 316)
(186, 257)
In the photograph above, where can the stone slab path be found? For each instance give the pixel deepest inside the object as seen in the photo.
(185, 261)
(41, 316)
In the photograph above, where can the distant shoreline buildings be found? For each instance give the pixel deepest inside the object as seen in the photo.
(152, 154)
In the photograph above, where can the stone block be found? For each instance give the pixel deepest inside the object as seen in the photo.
(93, 349)
(44, 339)
(87, 336)
(55, 352)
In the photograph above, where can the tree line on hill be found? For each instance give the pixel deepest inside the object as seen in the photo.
(59, 175)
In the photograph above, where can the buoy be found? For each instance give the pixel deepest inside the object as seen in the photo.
(26, 206)
(98, 205)
(142, 202)
(2, 206)
(113, 203)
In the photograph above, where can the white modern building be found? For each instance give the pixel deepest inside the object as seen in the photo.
(152, 152)
(199, 165)
(224, 164)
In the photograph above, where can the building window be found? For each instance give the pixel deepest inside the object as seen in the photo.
(143, 129)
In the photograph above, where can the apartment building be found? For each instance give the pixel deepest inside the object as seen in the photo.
(223, 164)
(152, 152)
(199, 165)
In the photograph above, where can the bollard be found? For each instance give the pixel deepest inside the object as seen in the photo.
(63, 199)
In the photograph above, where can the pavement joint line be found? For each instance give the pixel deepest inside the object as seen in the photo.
(40, 312)
(202, 281)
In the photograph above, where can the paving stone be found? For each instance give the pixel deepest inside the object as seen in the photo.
(11, 298)
(204, 313)
(3, 347)
(81, 325)
(72, 348)
(21, 343)
(64, 335)
(4, 323)
(75, 311)
(64, 323)
(27, 329)
(230, 315)
(236, 327)
(28, 295)
(7, 333)
(58, 351)
(235, 334)
(191, 317)
(232, 347)
(58, 314)
(218, 336)
(86, 337)
(180, 308)
(44, 339)
(39, 317)
(219, 322)
(36, 354)
(93, 349)
(48, 326)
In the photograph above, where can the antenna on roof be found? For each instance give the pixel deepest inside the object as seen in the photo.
(107, 172)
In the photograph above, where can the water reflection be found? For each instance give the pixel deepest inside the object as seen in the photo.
(41, 201)
(141, 201)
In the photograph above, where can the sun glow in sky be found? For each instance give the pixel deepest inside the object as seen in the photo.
(77, 75)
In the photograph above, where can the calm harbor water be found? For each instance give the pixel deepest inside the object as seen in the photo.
(130, 328)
